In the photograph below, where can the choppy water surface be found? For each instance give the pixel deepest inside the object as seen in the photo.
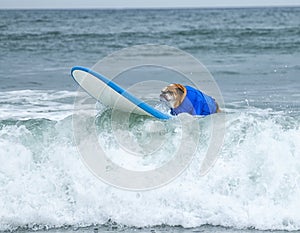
(252, 53)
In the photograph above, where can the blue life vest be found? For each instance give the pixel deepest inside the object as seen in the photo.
(196, 103)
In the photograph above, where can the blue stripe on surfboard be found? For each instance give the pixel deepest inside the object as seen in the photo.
(139, 103)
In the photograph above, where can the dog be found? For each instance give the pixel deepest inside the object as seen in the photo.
(187, 99)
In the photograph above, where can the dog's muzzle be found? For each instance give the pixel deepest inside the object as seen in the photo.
(163, 97)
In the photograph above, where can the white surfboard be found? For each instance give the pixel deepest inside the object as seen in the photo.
(111, 94)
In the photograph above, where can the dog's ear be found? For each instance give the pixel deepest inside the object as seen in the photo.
(179, 87)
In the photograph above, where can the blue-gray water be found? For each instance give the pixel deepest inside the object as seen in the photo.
(254, 56)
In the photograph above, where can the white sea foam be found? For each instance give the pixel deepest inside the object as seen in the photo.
(33, 104)
(254, 183)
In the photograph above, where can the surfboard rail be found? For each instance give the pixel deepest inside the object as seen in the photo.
(111, 94)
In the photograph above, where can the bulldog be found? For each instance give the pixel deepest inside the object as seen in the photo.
(188, 99)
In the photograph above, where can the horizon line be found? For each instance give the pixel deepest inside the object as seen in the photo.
(151, 8)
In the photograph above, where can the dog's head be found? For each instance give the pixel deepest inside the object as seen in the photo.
(173, 95)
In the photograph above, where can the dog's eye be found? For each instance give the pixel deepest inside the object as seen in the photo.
(166, 92)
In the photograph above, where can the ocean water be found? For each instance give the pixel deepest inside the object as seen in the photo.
(253, 54)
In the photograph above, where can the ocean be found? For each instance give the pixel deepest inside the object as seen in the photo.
(253, 55)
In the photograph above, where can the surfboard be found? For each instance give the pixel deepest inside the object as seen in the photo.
(110, 94)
